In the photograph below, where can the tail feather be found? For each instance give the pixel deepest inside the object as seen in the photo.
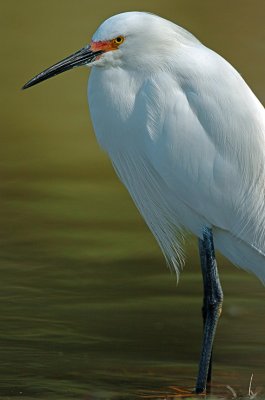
(240, 253)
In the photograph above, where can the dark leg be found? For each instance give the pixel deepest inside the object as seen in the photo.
(209, 375)
(212, 306)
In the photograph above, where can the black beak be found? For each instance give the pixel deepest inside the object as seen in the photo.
(81, 57)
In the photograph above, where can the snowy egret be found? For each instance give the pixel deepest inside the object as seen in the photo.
(186, 136)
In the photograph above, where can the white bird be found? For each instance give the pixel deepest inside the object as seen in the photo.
(186, 136)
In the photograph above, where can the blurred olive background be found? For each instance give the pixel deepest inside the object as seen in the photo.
(88, 308)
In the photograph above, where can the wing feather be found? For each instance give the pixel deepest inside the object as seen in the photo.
(207, 142)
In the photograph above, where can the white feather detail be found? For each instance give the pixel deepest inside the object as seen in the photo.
(147, 192)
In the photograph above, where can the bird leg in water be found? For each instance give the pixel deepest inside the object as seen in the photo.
(212, 306)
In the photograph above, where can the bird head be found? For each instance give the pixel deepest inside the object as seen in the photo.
(135, 40)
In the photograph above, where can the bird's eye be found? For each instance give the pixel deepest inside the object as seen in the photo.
(118, 40)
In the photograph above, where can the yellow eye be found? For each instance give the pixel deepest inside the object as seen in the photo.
(118, 40)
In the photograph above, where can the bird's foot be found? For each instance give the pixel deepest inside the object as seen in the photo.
(199, 390)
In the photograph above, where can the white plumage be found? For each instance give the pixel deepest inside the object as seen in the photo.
(186, 136)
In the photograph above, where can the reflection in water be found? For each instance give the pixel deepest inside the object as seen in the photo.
(88, 308)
